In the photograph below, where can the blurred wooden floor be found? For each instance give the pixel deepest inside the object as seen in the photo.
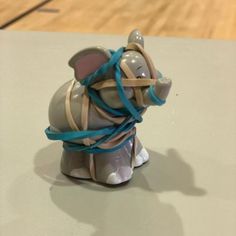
(182, 18)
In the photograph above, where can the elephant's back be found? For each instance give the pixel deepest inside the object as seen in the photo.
(57, 110)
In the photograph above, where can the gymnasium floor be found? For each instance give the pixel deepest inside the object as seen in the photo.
(212, 19)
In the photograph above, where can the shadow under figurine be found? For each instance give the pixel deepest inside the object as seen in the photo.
(95, 114)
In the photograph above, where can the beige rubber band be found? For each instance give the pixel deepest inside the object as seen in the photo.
(135, 46)
(69, 115)
(92, 167)
(133, 152)
(118, 140)
(84, 117)
(139, 97)
(134, 82)
(137, 91)
(125, 68)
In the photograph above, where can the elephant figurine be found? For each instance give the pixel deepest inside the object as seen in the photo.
(95, 113)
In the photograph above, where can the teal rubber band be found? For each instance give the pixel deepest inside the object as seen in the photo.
(104, 68)
(71, 135)
(154, 98)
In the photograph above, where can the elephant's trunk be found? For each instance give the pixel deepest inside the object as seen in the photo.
(162, 87)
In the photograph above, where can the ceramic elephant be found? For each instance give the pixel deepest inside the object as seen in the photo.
(95, 113)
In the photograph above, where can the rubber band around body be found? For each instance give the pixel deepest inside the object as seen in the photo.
(155, 99)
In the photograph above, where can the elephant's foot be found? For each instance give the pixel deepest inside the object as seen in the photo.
(81, 173)
(141, 158)
(75, 164)
(114, 168)
(123, 174)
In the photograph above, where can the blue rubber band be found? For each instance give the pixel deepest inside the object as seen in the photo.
(155, 99)
(71, 135)
(104, 68)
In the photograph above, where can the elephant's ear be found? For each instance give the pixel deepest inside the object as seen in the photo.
(136, 37)
(88, 61)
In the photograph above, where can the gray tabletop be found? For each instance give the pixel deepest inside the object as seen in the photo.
(187, 188)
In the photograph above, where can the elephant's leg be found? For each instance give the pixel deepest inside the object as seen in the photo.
(114, 167)
(75, 164)
(142, 155)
